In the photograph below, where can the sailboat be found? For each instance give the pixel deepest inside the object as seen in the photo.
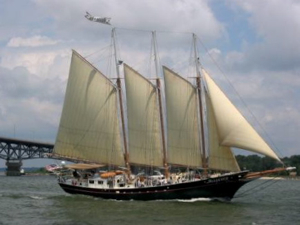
(182, 138)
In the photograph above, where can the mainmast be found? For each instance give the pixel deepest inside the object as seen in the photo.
(158, 85)
(199, 90)
(126, 155)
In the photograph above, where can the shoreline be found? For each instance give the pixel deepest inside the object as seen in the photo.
(28, 174)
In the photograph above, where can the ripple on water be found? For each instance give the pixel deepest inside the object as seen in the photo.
(39, 200)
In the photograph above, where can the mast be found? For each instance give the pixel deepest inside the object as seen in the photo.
(199, 90)
(158, 85)
(126, 155)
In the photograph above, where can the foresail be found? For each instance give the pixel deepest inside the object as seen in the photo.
(144, 134)
(220, 157)
(182, 121)
(89, 128)
(233, 128)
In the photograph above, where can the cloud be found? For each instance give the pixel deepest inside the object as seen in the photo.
(177, 16)
(35, 41)
(30, 103)
(30, 106)
(38, 61)
(277, 27)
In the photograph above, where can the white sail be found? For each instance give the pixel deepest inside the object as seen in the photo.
(182, 121)
(89, 128)
(220, 157)
(233, 128)
(144, 134)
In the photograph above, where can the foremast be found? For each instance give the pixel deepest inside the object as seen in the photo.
(199, 86)
(119, 85)
(158, 86)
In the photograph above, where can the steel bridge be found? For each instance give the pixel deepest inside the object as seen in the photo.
(16, 150)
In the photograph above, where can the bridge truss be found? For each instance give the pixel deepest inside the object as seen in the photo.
(14, 149)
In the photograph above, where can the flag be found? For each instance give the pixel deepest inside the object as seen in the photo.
(103, 20)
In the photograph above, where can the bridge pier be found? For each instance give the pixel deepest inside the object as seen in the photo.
(13, 167)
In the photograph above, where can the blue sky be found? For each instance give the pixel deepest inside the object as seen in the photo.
(255, 43)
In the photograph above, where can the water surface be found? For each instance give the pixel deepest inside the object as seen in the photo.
(39, 200)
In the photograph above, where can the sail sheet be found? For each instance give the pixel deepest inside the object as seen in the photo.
(182, 121)
(220, 157)
(89, 128)
(144, 133)
(233, 129)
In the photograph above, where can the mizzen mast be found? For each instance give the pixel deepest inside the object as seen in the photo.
(199, 90)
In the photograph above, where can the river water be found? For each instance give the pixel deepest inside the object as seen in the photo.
(39, 200)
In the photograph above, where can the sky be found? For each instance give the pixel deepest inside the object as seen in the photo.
(250, 47)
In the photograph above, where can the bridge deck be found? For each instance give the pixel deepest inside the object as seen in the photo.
(17, 149)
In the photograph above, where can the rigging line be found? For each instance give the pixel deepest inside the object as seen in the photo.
(160, 31)
(118, 56)
(141, 62)
(106, 54)
(159, 75)
(102, 49)
(175, 32)
(245, 193)
(139, 30)
(100, 59)
(109, 68)
(240, 97)
(179, 65)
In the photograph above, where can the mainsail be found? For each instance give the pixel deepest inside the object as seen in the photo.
(89, 128)
(233, 129)
(144, 134)
(182, 121)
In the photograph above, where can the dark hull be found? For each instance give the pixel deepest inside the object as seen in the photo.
(220, 187)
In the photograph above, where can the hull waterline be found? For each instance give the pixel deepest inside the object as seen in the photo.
(220, 187)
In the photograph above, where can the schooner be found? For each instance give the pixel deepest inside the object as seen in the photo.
(182, 137)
